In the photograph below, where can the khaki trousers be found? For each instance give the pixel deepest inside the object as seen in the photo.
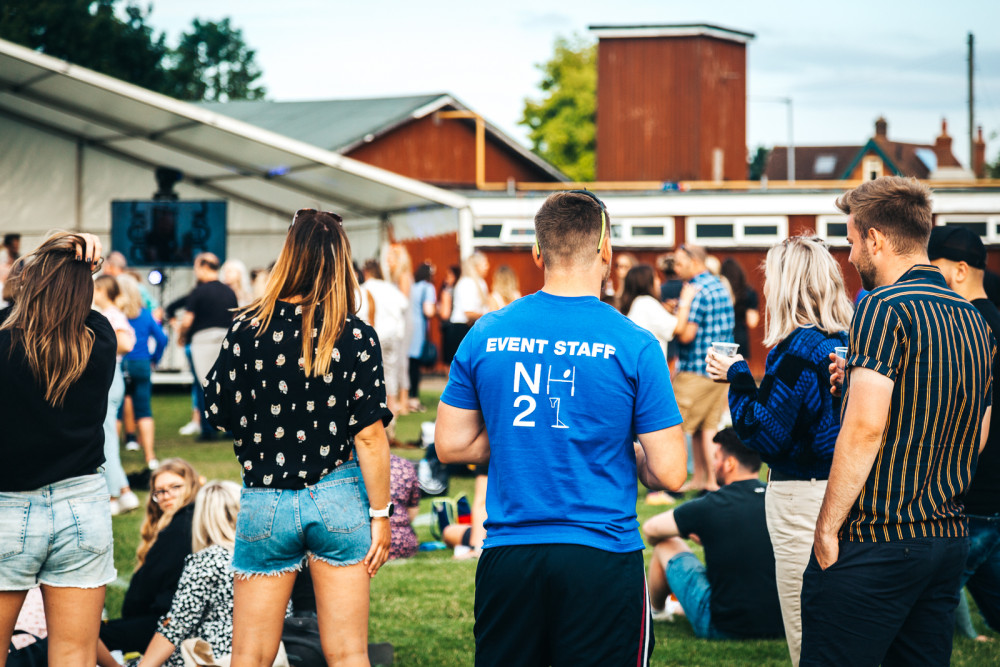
(791, 508)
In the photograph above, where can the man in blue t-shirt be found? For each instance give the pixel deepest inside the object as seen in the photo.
(552, 391)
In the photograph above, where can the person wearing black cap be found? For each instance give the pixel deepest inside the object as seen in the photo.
(961, 256)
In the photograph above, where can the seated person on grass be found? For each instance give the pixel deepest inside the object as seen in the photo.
(734, 595)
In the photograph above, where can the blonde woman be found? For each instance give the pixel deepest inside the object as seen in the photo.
(57, 361)
(234, 273)
(137, 368)
(299, 382)
(792, 419)
(202, 607)
(505, 287)
(164, 543)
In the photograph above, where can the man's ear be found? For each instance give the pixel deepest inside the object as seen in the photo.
(536, 255)
(606, 252)
(876, 240)
(961, 273)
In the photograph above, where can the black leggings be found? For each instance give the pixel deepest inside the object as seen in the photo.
(414, 378)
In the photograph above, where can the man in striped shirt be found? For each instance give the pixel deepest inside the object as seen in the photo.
(891, 539)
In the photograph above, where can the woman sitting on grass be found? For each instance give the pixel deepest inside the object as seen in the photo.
(165, 543)
(203, 604)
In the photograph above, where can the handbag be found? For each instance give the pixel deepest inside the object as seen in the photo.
(35, 654)
(428, 353)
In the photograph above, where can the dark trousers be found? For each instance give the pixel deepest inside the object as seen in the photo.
(982, 569)
(561, 604)
(415, 376)
(129, 634)
(889, 603)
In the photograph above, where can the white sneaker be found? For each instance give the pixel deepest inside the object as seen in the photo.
(191, 428)
(153, 464)
(127, 502)
(115, 508)
(132, 446)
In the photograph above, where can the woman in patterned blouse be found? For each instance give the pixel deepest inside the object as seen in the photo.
(203, 604)
(299, 383)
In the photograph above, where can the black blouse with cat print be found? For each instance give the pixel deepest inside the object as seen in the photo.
(289, 430)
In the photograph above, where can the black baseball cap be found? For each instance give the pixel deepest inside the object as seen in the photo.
(957, 244)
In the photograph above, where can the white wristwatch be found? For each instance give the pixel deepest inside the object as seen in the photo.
(383, 513)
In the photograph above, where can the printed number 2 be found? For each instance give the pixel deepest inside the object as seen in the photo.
(519, 420)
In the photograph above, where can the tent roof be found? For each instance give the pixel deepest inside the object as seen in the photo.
(343, 125)
(226, 156)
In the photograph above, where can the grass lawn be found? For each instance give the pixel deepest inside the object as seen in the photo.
(424, 605)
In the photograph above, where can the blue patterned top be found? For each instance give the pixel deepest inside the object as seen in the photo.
(712, 311)
(792, 420)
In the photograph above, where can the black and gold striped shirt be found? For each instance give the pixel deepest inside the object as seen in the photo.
(937, 350)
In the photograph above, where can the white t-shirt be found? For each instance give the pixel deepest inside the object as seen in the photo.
(470, 297)
(650, 314)
(391, 308)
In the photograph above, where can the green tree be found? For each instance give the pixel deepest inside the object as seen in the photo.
(758, 163)
(562, 124)
(213, 62)
(90, 33)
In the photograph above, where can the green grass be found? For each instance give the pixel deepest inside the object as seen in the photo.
(424, 605)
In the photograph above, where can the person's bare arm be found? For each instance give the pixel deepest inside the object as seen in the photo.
(158, 652)
(460, 435)
(660, 527)
(854, 454)
(428, 309)
(986, 427)
(688, 332)
(372, 448)
(186, 321)
(661, 458)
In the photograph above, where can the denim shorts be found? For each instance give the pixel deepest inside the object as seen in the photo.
(58, 535)
(688, 580)
(277, 528)
(139, 385)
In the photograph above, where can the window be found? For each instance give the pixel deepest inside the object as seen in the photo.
(625, 232)
(871, 168)
(987, 226)
(759, 231)
(825, 164)
(832, 229)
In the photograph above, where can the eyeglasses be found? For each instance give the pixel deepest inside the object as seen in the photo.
(169, 492)
(96, 265)
(604, 222)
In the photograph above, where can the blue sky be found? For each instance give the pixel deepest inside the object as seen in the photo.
(843, 63)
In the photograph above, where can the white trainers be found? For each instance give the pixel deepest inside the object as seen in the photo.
(127, 502)
(132, 446)
(153, 464)
(662, 615)
(115, 508)
(191, 428)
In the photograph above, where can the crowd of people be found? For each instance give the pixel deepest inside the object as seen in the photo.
(882, 498)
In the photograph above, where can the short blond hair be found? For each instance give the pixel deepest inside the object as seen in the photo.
(215, 510)
(129, 296)
(803, 286)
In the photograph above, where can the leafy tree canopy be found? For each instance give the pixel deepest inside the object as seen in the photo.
(562, 124)
(114, 37)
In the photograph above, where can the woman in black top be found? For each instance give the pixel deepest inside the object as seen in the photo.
(299, 383)
(165, 543)
(57, 360)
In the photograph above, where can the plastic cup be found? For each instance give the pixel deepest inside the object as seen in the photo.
(841, 353)
(725, 349)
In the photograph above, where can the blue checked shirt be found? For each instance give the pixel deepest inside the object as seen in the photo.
(712, 311)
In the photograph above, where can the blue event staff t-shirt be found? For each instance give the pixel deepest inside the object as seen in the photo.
(564, 385)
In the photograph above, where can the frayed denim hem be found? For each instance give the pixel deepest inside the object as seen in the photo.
(246, 576)
(87, 587)
(335, 563)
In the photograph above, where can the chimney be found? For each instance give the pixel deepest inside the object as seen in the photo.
(979, 155)
(942, 148)
(881, 129)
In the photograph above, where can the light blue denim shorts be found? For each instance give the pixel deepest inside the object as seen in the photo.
(277, 528)
(58, 535)
(688, 580)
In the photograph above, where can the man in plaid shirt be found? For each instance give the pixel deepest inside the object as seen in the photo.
(701, 401)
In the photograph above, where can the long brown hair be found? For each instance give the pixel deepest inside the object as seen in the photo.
(639, 281)
(315, 266)
(47, 321)
(156, 519)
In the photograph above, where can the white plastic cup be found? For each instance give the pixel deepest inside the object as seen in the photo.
(725, 349)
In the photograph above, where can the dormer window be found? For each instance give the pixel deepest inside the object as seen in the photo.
(825, 164)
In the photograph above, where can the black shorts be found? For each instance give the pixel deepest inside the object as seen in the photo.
(561, 604)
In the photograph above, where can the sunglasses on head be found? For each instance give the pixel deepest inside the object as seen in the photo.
(604, 223)
(313, 212)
